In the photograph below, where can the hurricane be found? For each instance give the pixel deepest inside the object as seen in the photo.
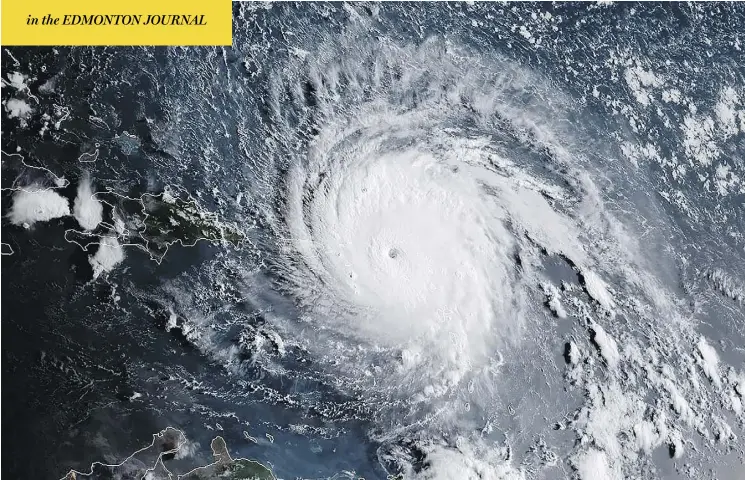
(407, 221)
(417, 199)
(405, 241)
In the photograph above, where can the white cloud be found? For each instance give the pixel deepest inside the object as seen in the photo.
(87, 209)
(17, 108)
(34, 204)
(109, 254)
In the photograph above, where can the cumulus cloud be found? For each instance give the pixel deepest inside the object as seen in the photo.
(35, 204)
(87, 209)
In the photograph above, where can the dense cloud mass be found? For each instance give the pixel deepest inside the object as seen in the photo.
(443, 241)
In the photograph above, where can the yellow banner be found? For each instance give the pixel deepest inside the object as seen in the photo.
(124, 22)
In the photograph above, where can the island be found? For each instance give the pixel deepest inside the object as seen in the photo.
(150, 463)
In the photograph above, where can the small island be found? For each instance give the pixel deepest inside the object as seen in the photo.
(226, 467)
(149, 463)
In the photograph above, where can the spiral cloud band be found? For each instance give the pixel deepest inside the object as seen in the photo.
(405, 225)
(434, 225)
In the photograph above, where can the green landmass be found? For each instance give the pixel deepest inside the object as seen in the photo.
(226, 467)
(149, 462)
(169, 219)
